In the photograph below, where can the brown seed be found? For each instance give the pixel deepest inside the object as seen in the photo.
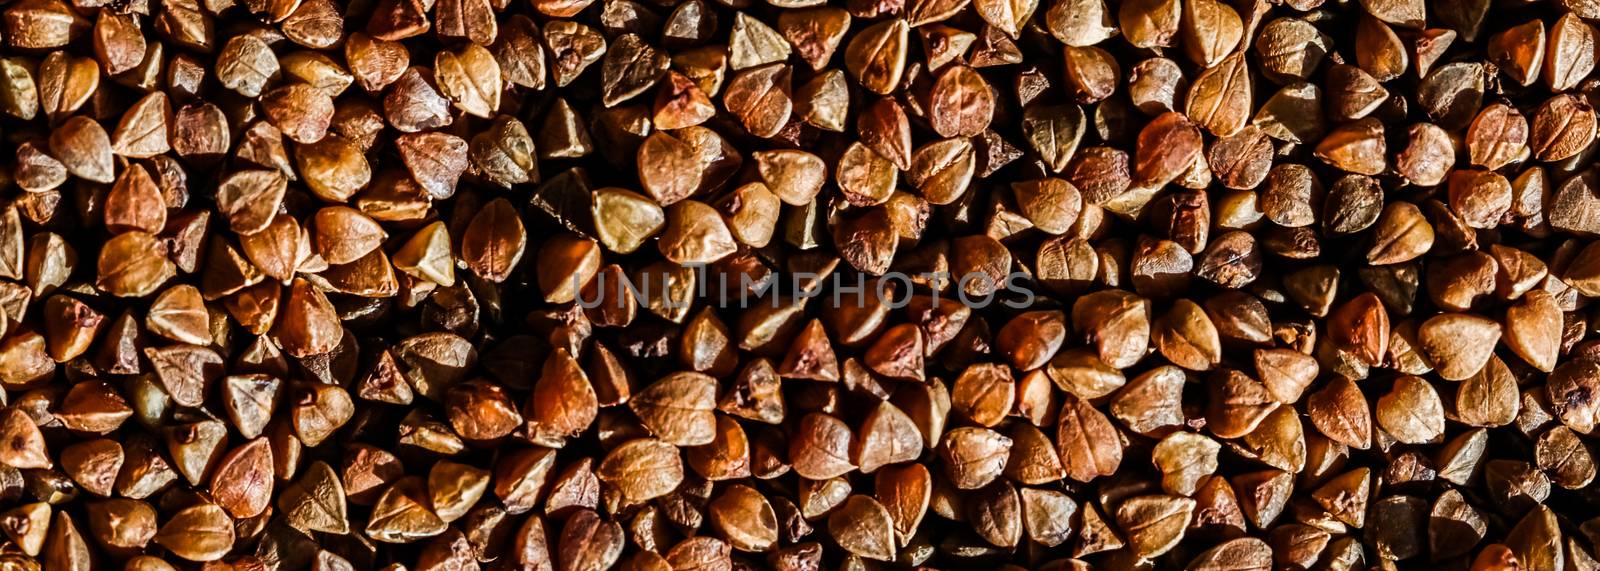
(1356, 147)
(1563, 455)
(1052, 204)
(1238, 404)
(1241, 161)
(200, 132)
(1562, 127)
(1054, 131)
(823, 101)
(435, 161)
(728, 455)
(886, 129)
(1155, 524)
(246, 63)
(1118, 321)
(760, 98)
(301, 111)
(93, 464)
(1402, 235)
(84, 148)
(1231, 261)
(505, 153)
(66, 83)
(70, 327)
(961, 103)
(862, 526)
(695, 233)
(1383, 53)
(625, 220)
(242, 481)
(818, 497)
(1480, 198)
(678, 408)
(453, 488)
(319, 411)
(1353, 204)
(680, 103)
(876, 57)
(1519, 51)
(984, 393)
(752, 43)
(309, 325)
(1183, 458)
(1339, 410)
(36, 170)
(820, 448)
(867, 242)
(1080, 22)
(414, 102)
(344, 234)
(1533, 540)
(1459, 344)
(1187, 337)
(199, 533)
(1354, 93)
(1210, 30)
(667, 168)
(494, 241)
(1150, 23)
(1430, 46)
(630, 68)
(573, 47)
(642, 469)
(1082, 373)
(1167, 146)
(480, 411)
(1532, 329)
(888, 436)
(815, 33)
(1087, 442)
(1497, 137)
(142, 132)
(1411, 412)
(401, 514)
(1220, 98)
(563, 402)
(1291, 193)
(318, 24)
(122, 524)
(375, 63)
(746, 518)
(262, 146)
(250, 199)
(134, 264)
(572, 263)
(1570, 54)
(42, 24)
(333, 167)
(470, 78)
(1490, 397)
(1291, 48)
(865, 178)
(588, 542)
